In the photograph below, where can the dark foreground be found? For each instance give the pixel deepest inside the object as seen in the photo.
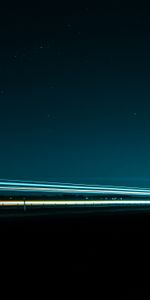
(110, 246)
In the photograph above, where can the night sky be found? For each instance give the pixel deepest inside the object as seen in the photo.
(75, 93)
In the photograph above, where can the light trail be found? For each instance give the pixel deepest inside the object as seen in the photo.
(74, 203)
(71, 188)
(66, 185)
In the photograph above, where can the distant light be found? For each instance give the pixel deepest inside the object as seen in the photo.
(73, 203)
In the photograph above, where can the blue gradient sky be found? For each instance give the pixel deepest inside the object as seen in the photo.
(74, 94)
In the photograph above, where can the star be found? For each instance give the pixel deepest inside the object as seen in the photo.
(2, 92)
(69, 25)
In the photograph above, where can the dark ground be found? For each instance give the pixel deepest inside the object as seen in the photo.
(104, 252)
(85, 244)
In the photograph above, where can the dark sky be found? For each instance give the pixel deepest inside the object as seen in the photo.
(75, 93)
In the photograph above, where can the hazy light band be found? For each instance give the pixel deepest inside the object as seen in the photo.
(71, 188)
